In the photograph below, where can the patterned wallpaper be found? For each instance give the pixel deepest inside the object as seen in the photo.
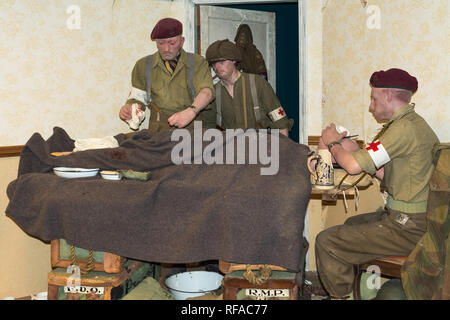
(56, 74)
(408, 34)
(68, 63)
(314, 38)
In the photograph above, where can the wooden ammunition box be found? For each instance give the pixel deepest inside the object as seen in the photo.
(280, 286)
(97, 285)
(61, 257)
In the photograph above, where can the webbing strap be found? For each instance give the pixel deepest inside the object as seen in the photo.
(244, 102)
(407, 207)
(191, 74)
(219, 105)
(148, 77)
(254, 97)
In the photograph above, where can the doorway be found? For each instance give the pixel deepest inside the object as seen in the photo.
(287, 53)
(291, 87)
(301, 118)
(219, 22)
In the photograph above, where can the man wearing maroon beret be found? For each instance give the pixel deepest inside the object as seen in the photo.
(174, 84)
(400, 156)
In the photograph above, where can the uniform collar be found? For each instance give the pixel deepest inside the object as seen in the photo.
(237, 79)
(401, 112)
(182, 58)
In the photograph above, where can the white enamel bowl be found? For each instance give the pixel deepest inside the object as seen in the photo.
(193, 284)
(66, 172)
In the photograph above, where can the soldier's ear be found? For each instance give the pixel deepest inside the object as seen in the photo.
(387, 93)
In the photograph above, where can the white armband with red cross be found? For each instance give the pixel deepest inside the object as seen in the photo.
(138, 94)
(277, 114)
(378, 154)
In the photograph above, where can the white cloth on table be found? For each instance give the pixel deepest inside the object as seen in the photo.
(95, 143)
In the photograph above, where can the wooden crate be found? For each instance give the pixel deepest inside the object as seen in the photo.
(280, 286)
(97, 285)
(104, 261)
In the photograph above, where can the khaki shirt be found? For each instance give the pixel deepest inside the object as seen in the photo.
(170, 93)
(233, 107)
(408, 141)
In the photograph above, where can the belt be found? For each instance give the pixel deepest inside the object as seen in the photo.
(408, 207)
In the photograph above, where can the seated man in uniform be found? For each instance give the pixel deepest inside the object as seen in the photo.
(175, 84)
(242, 100)
(403, 153)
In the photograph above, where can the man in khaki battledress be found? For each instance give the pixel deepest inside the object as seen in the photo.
(178, 84)
(402, 158)
(242, 100)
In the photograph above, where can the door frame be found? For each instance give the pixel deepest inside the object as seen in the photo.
(238, 16)
(191, 46)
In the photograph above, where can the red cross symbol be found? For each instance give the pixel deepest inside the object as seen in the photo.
(373, 146)
(281, 112)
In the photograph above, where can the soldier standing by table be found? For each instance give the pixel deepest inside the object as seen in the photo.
(179, 84)
(243, 100)
(174, 84)
(404, 151)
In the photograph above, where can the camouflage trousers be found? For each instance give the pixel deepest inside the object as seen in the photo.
(360, 239)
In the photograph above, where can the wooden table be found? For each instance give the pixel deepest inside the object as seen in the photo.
(330, 194)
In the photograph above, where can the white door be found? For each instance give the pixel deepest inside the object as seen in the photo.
(218, 23)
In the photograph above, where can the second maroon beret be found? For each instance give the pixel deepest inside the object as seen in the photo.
(394, 78)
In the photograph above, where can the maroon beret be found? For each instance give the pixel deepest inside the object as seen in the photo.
(394, 78)
(167, 28)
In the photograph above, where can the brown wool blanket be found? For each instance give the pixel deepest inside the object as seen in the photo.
(185, 213)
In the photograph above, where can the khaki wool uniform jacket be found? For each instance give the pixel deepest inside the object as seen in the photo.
(232, 108)
(408, 140)
(170, 93)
